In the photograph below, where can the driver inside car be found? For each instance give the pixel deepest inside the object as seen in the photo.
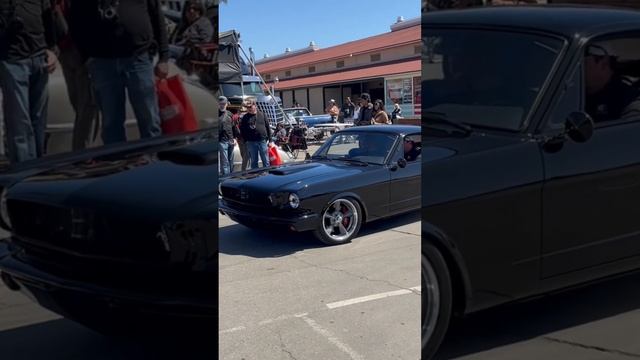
(411, 149)
(609, 94)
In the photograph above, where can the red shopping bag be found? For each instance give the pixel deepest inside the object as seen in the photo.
(176, 111)
(274, 156)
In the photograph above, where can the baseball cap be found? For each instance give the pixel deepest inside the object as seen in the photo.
(223, 99)
(601, 49)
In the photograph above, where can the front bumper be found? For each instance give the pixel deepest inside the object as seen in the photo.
(73, 298)
(298, 222)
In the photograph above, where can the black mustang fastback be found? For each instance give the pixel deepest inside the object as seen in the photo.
(358, 175)
(531, 158)
(119, 236)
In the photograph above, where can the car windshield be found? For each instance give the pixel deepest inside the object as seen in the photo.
(485, 78)
(234, 89)
(368, 147)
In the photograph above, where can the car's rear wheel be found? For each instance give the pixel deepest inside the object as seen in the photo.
(437, 299)
(340, 222)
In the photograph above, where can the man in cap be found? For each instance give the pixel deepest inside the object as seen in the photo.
(227, 135)
(609, 94)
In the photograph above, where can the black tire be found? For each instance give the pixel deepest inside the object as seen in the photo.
(322, 235)
(434, 264)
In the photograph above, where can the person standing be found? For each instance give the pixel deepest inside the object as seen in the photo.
(333, 110)
(27, 57)
(256, 132)
(380, 116)
(348, 109)
(120, 39)
(365, 114)
(227, 135)
(76, 77)
(396, 114)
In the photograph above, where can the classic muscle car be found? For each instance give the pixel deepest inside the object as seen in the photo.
(358, 175)
(531, 159)
(117, 237)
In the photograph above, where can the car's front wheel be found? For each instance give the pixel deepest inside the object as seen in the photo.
(340, 222)
(437, 299)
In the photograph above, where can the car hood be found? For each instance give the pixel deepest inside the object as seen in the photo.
(170, 183)
(297, 176)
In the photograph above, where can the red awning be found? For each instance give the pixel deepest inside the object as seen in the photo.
(352, 75)
(368, 45)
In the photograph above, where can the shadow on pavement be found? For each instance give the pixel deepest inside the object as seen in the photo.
(524, 321)
(237, 239)
(64, 339)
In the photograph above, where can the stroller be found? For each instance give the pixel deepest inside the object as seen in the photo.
(296, 142)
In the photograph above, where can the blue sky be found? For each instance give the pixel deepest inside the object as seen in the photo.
(270, 26)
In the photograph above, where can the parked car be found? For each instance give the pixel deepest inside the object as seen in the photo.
(237, 158)
(61, 116)
(531, 165)
(357, 176)
(118, 238)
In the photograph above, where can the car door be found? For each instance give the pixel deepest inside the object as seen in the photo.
(405, 186)
(591, 194)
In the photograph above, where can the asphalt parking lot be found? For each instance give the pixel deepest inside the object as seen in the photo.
(29, 332)
(601, 321)
(286, 296)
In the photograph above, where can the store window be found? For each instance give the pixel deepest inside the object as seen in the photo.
(404, 91)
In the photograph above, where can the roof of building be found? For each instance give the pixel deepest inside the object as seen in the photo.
(351, 75)
(366, 45)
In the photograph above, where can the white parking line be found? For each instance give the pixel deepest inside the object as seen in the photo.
(332, 339)
(362, 299)
(332, 305)
(282, 317)
(237, 328)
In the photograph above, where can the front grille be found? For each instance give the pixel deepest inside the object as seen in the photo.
(271, 111)
(245, 196)
(84, 231)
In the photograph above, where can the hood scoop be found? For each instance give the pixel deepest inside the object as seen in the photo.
(288, 170)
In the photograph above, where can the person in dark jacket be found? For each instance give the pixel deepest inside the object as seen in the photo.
(27, 57)
(120, 39)
(256, 132)
(227, 135)
(195, 29)
(366, 111)
(76, 77)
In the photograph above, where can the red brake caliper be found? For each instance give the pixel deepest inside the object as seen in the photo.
(345, 220)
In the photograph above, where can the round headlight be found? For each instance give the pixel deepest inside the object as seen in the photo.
(294, 201)
(220, 188)
(4, 212)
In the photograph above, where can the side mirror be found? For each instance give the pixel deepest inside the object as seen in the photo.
(579, 126)
(402, 163)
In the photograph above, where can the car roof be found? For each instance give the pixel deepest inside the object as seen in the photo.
(567, 20)
(394, 129)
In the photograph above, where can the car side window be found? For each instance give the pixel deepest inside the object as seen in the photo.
(611, 79)
(412, 147)
(570, 96)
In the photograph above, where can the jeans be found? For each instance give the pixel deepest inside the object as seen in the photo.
(258, 148)
(111, 77)
(25, 101)
(244, 153)
(226, 156)
(76, 76)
